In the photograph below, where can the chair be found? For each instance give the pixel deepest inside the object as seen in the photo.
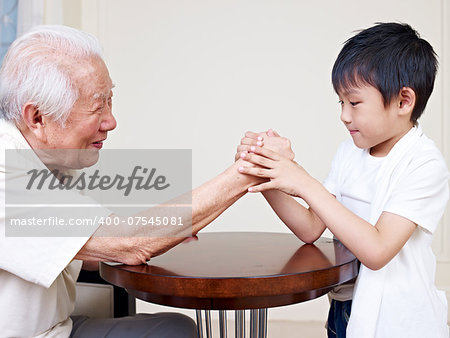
(98, 298)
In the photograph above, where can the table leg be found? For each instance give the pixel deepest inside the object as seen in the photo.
(239, 318)
(208, 323)
(223, 323)
(262, 323)
(258, 323)
(254, 324)
(199, 323)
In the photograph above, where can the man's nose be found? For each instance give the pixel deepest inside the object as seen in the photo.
(109, 122)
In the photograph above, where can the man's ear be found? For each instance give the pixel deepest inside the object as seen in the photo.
(407, 101)
(34, 121)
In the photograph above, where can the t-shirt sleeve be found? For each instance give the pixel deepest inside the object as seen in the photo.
(422, 194)
(24, 250)
(331, 181)
(39, 259)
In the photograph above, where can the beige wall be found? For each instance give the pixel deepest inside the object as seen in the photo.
(198, 74)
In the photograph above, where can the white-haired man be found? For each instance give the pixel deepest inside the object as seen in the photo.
(55, 93)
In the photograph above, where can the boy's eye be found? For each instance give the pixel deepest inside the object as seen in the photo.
(353, 103)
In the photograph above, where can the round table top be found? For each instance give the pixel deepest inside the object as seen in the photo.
(237, 270)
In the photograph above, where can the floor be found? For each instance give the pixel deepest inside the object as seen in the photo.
(286, 329)
(280, 329)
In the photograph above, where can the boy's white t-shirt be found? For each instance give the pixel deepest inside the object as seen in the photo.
(356, 195)
(410, 304)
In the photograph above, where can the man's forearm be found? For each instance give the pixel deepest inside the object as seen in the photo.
(215, 196)
(208, 202)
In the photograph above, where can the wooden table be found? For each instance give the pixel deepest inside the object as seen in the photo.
(237, 271)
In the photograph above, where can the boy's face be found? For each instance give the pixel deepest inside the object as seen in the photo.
(371, 124)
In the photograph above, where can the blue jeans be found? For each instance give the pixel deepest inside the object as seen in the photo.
(338, 318)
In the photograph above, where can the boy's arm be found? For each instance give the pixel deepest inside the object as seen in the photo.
(374, 246)
(302, 221)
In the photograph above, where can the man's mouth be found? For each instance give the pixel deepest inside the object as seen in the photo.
(98, 144)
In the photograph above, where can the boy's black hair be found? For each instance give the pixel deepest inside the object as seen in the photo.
(388, 56)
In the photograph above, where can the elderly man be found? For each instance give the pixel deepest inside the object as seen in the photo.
(55, 93)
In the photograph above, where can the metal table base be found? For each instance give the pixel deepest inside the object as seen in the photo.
(258, 323)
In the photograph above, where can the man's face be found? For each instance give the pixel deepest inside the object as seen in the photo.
(91, 118)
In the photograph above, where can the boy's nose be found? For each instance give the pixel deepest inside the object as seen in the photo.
(346, 117)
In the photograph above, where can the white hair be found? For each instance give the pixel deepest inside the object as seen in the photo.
(34, 71)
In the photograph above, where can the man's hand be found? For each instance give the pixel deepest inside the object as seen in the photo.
(269, 139)
(191, 239)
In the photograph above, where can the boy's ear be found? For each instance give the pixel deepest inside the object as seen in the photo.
(407, 101)
(34, 121)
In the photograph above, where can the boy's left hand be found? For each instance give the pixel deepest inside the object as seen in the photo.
(284, 174)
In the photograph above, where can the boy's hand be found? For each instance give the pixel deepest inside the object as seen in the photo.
(283, 174)
(270, 139)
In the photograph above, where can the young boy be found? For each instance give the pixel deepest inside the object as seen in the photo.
(386, 191)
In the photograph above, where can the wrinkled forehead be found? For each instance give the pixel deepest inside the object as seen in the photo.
(91, 77)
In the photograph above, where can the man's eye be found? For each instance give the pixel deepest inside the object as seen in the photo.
(341, 102)
(354, 103)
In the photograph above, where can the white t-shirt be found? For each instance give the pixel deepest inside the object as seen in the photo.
(356, 195)
(409, 304)
(37, 274)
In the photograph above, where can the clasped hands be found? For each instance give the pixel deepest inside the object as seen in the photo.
(269, 156)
